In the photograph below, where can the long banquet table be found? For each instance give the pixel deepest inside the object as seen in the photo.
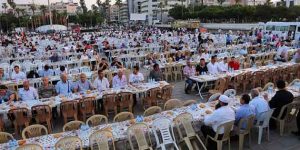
(119, 129)
(204, 79)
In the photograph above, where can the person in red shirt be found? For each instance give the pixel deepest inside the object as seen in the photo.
(234, 64)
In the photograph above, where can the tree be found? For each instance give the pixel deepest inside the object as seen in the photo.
(4, 6)
(83, 6)
(221, 2)
(237, 2)
(107, 9)
(268, 3)
(12, 4)
(161, 6)
(18, 11)
(43, 9)
(119, 4)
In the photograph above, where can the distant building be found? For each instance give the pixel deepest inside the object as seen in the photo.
(124, 13)
(69, 7)
(27, 9)
(289, 3)
(114, 13)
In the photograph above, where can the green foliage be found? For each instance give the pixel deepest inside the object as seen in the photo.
(236, 13)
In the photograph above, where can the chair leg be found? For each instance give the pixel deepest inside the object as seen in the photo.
(241, 141)
(219, 145)
(249, 139)
(260, 130)
(281, 124)
(175, 146)
(268, 133)
(188, 143)
(229, 143)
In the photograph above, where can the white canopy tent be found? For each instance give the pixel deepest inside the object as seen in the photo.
(55, 27)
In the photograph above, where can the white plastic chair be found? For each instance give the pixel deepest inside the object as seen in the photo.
(5, 67)
(163, 125)
(85, 69)
(73, 71)
(230, 92)
(214, 97)
(263, 122)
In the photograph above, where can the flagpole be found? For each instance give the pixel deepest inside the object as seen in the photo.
(50, 14)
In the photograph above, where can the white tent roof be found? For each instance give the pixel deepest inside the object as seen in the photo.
(55, 27)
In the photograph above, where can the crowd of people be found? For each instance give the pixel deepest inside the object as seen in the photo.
(98, 44)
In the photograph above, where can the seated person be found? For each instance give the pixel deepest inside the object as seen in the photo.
(46, 71)
(234, 64)
(64, 86)
(212, 66)
(156, 73)
(83, 84)
(32, 74)
(245, 110)
(136, 76)
(6, 95)
(119, 80)
(281, 98)
(297, 56)
(221, 115)
(201, 68)
(116, 63)
(258, 103)
(188, 72)
(28, 93)
(101, 83)
(62, 69)
(223, 65)
(17, 74)
(103, 65)
(46, 90)
(3, 75)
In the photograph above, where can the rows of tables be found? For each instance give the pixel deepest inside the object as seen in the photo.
(119, 129)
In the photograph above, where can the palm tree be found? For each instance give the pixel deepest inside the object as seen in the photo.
(161, 6)
(221, 2)
(4, 6)
(119, 4)
(43, 9)
(12, 4)
(33, 9)
(18, 11)
(54, 14)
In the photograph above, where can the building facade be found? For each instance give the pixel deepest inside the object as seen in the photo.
(68, 7)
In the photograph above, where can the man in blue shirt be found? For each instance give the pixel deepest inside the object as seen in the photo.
(63, 87)
(245, 110)
(46, 72)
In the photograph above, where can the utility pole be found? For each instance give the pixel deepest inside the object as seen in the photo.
(50, 14)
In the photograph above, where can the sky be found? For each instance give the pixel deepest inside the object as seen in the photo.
(87, 2)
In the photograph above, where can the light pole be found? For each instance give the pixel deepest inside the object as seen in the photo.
(50, 14)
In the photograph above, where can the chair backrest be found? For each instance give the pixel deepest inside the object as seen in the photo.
(100, 140)
(19, 115)
(230, 92)
(220, 85)
(246, 124)
(294, 81)
(285, 110)
(268, 85)
(126, 99)
(185, 120)
(109, 100)
(69, 143)
(264, 118)
(5, 137)
(189, 102)
(139, 131)
(163, 125)
(172, 103)
(73, 71)
(122, 116)
(166, 92)
(152, 110)
(227, 126)
(34, 131)
(69, 108)
(41, 113)
(72, 125)
(96, 120)
(87, 105)
(214, 97)
(85, 69)
(30, 147)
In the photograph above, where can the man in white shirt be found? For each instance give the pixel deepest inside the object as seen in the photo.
(221, 115)
(119, 81)
(27, 92)
(101, 83)
(17, 74)
(212, 66)
(136, 76)
(259, 104)
(223, 65)
(282, 53)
